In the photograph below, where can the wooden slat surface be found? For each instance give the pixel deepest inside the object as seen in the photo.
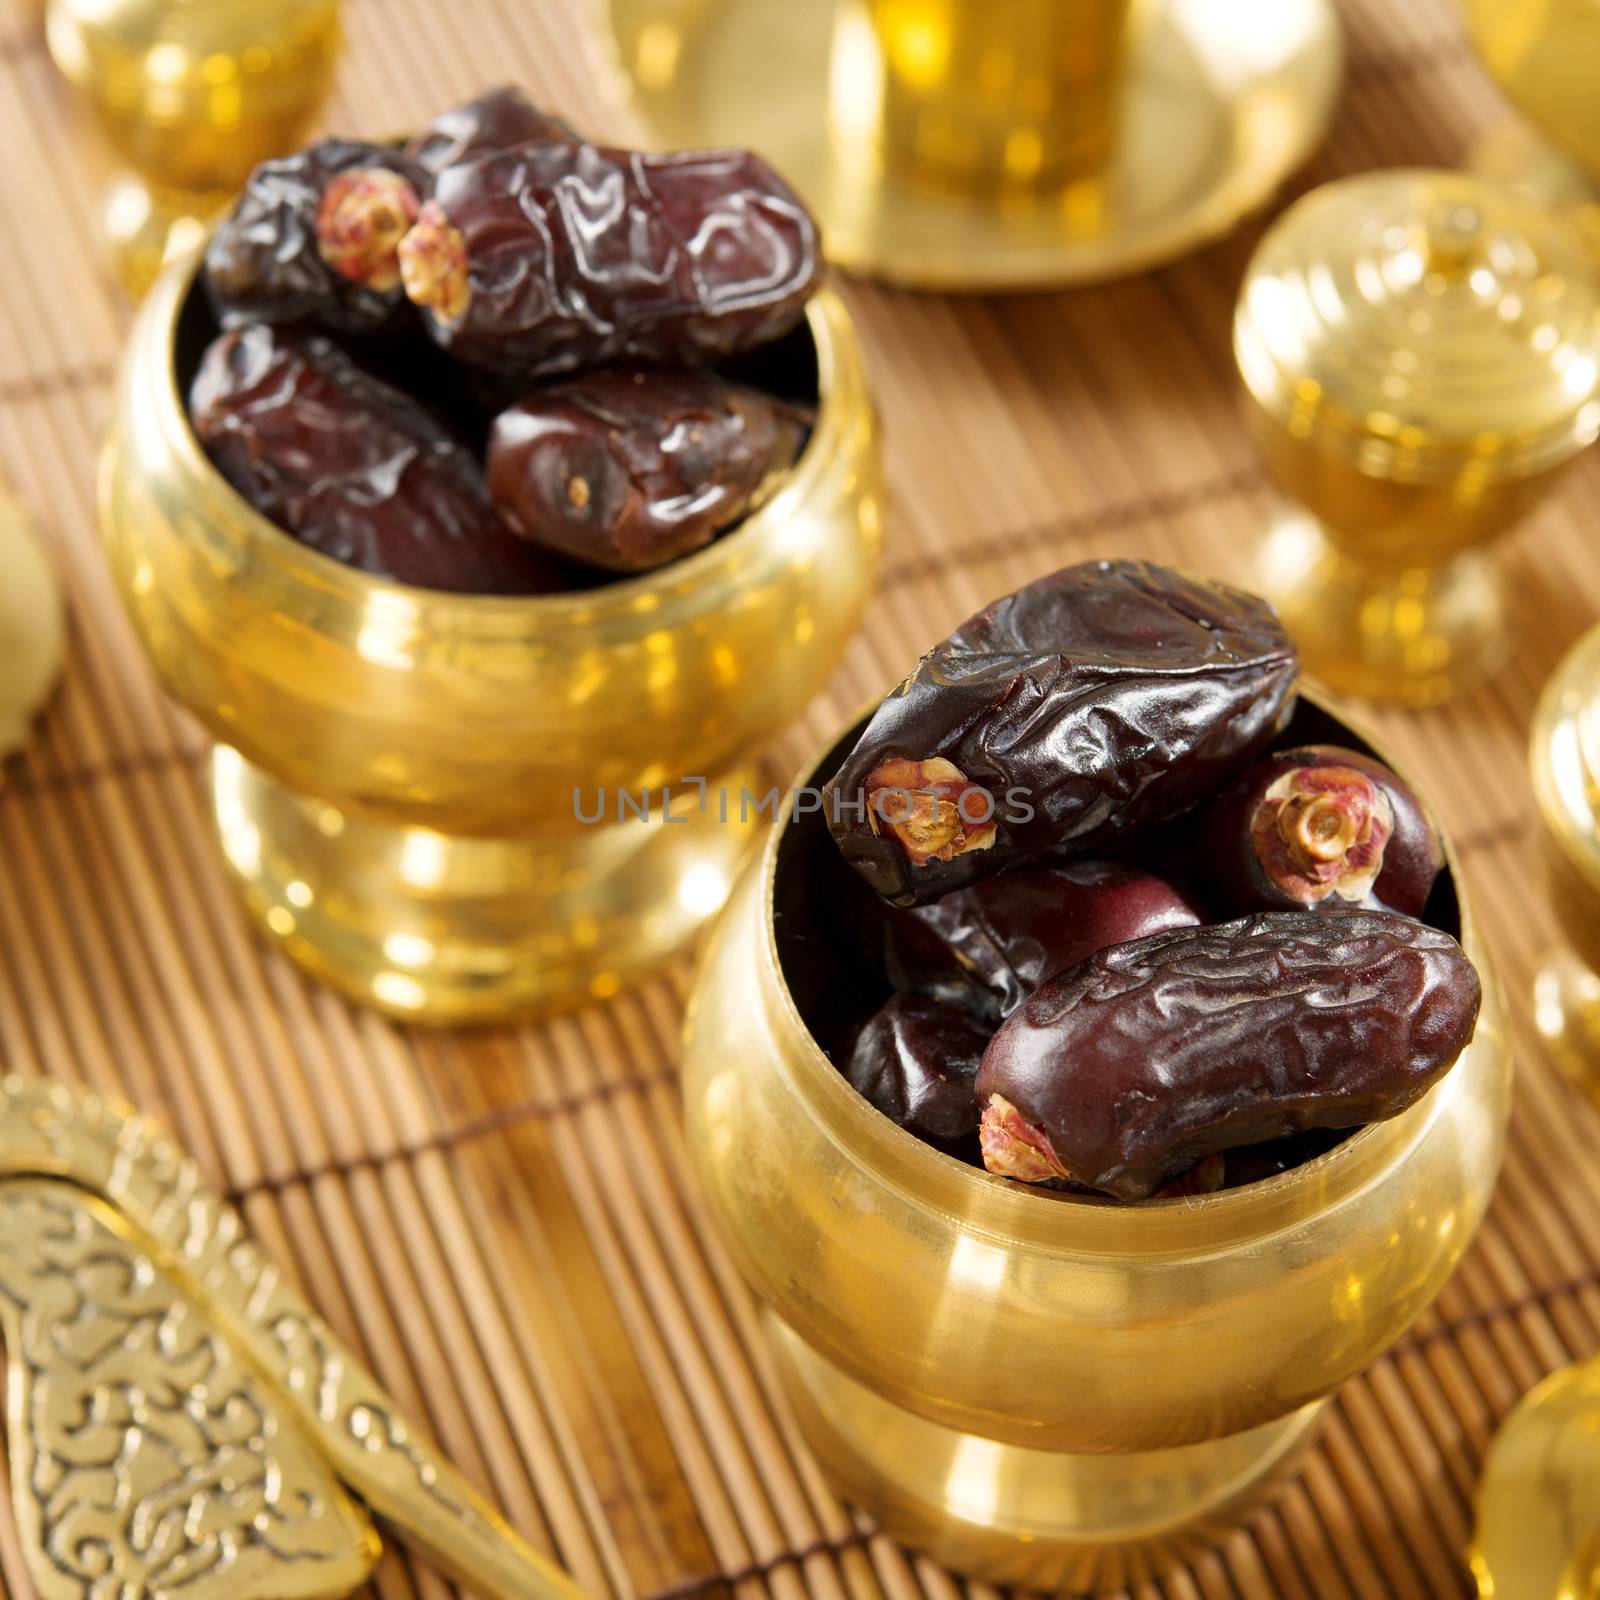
(502, 1225)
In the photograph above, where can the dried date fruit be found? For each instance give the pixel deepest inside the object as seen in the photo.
(352, 467)
(314, 238)
(628, 467)
(1207, 1176)
(1094, 701)
(915, 1060)
(988, 947)
(548, 257)
(1252, 1163)
(496, 120)
(1318, 826)
(1125, 1071)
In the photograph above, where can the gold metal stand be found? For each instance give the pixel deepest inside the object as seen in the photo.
(192, 94)
(1421, 357)
(455, 929)
(938, 155)
(1044, 1519)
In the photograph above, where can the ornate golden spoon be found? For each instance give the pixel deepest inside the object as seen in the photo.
(1538, 1529)
(179, 1420)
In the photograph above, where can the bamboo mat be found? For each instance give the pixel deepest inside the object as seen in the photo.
(502, 1225)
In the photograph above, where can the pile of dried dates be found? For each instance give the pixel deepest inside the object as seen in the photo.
(1140, 943)
(487, 361)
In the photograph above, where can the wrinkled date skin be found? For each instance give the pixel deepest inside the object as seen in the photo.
(314, 238)
(496, 120)
(353, 468)
(626, 468)
(547, 257)
(1322, 827)
(1102, 698)
(1126, 1071)
(915, 1060)
(989, 947)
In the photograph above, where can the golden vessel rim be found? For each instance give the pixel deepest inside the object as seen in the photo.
(943, 1181)
(824, 313)
(1576, 672)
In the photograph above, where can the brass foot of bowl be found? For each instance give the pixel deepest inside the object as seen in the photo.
(148, 226)
(1219, 104)
(458, 930)
(1035, 1519)
(1413, 635)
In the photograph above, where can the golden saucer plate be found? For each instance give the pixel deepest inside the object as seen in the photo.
(1227, 98)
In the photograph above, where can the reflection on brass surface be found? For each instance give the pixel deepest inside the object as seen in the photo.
(1421, 358)
(179, 1421)
(1221, 100)
(31, 625)
(191, 94)
(404, 771)
(1544, 56)
(1538, 1513)
(1034, 1386)
(1009, 94)
(1564, 753)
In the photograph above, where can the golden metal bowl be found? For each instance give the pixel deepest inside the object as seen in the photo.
(402, 771)
(1039, 1390)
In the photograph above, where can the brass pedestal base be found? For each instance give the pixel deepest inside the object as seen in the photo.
(439, 929)
(1036, 1519)
(147, 226)
(1222, 103)
(1417, 636)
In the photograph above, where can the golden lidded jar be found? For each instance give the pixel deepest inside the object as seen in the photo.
(1420, 355)
(1036, 1389)
(434, 800)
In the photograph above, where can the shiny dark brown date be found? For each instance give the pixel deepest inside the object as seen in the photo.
(1317, 826)
(1127, 1070)
(989, 947)
(314, 238)
(548, 257)
(352, 467)
(625, 468)
(915, 1060)
(1094, 701)
(497, 119)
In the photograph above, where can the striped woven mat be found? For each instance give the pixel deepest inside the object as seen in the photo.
(503, 1225)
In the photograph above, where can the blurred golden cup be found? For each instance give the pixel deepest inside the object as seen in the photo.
(982, 94)
(191, 94)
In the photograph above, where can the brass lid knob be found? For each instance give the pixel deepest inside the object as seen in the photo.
(1422, 325)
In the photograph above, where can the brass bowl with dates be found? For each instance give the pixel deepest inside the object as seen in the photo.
(409, 784)
(1034, 1388)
